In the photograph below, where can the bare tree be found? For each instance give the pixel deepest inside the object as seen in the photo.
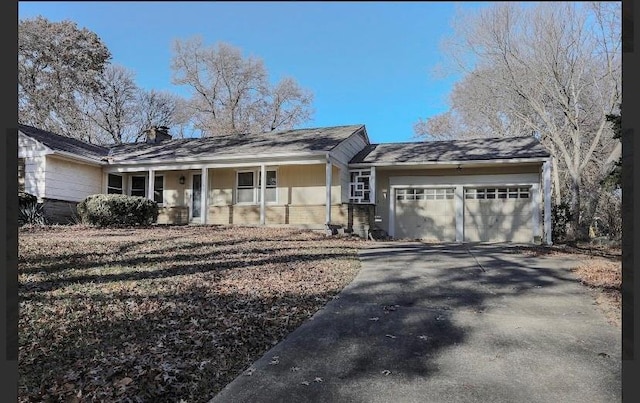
(112, 109)
(553, 71)
(155, 108)
(57, 64)
(232, 94)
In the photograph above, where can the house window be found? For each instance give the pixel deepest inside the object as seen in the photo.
(360, 186)
(138, 187)
(21, 174)
(248, 188)
(425, 194)
(158, 189)
(270, 191)
(114, 184)
(245, 193)
(497, 193)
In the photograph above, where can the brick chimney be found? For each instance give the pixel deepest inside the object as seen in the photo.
(156, 134)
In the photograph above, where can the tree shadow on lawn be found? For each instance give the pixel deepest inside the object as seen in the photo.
(180, 265)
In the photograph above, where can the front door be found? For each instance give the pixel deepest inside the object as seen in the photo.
(196, 189)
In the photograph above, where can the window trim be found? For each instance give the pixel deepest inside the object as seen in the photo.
(155, 181)
(121, 183)
(256, 187)
(146, 184)
(428, 193)
(514, 192)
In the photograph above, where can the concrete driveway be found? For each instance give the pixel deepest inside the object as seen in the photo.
(446, 323)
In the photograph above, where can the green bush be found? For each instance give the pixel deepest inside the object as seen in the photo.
(115, 209)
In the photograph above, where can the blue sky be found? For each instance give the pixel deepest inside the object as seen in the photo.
(367, 63)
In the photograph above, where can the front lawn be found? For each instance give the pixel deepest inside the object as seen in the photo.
(164, 313)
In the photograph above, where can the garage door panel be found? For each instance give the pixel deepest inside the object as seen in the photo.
(493, 217)
(428, 218)
(490, 234)
(488, 207)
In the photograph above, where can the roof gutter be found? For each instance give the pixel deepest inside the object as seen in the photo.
(453, 162)
(218, 159)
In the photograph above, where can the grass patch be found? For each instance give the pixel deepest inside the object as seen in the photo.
(164, 313)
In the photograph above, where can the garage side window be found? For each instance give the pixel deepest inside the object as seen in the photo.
(496, 193)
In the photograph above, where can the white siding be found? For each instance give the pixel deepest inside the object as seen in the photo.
(28, 147)
(34, 173)
(346, 150)
(72, 181)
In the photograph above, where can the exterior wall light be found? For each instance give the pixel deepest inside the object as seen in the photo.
(182, 179)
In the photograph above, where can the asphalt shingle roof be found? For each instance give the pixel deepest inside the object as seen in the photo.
(452, 150)
(57, 142)
(289, 141)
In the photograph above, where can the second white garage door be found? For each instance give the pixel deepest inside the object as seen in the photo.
(498, 214)
(425, 213)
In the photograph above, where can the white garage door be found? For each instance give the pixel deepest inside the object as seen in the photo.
(498, 214)
(425, 213)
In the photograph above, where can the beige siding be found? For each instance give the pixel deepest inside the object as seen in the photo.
(222, 182)
(72, 181)
(306, 184)
(173, 190)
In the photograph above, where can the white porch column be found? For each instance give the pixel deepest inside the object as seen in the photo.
(392, 212)
(263, 191)
(151, 183)
(546, 178)
(204, 191)
(535, 209)
(105, 182)
(329, 181)
(372, 185)
(459, 208)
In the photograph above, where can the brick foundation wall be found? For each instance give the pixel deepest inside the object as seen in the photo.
(60, 211)
(349, 216)
(173, 215)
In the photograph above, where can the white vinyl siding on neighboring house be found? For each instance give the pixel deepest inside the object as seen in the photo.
(71, 181)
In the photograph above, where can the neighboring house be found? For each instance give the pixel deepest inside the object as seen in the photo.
(459, 191)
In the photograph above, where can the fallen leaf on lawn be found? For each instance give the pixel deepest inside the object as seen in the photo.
(374, 318)
(423, 337)
(386, 372)
(391, 336)
(294, 369)
(305, 383)
(318, 379)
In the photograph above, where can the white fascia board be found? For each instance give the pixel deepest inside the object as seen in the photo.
(189, 166)
(461, 163)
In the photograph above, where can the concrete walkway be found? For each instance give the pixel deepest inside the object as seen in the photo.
(446, 323)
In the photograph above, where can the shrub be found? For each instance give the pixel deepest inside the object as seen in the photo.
(31, 212)
(560, 217)
(115, 209)
(25, 198)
